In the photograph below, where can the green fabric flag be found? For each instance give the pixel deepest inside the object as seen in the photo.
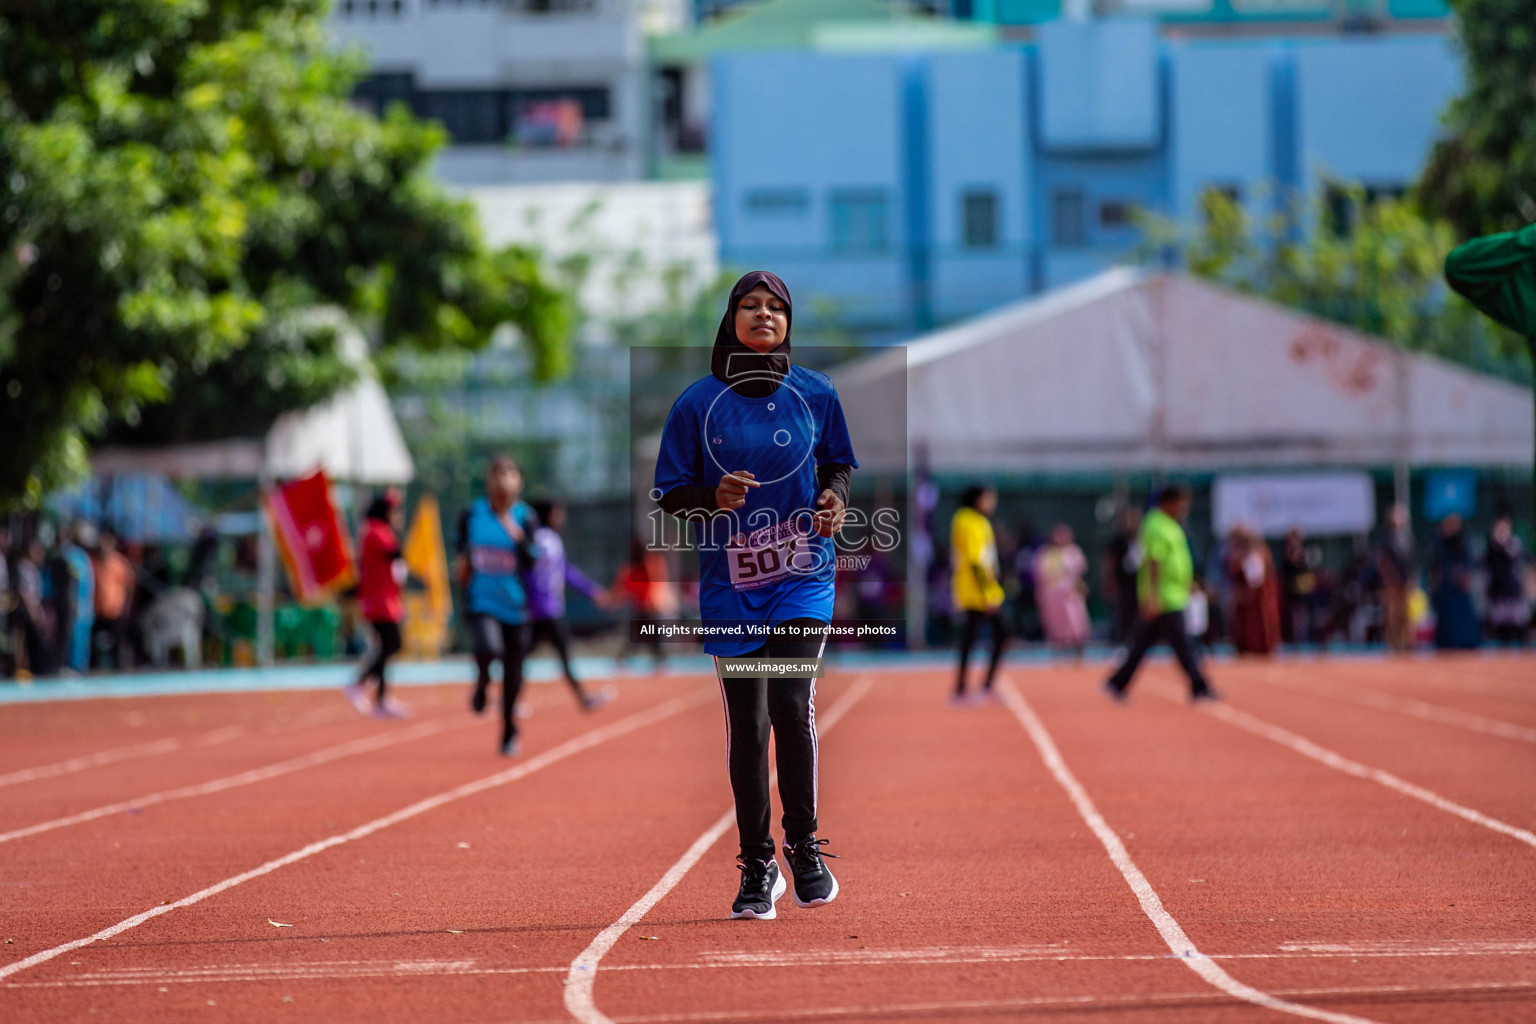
(1497, 274)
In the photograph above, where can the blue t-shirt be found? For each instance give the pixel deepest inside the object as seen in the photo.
(496, 562)
(758, 564)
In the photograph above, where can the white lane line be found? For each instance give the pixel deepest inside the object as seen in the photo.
(361, 746)
(576, 745)
(581, 978)
(993, 1006)
(1437, 713)
(1172, 932)
(224, 735)
(84, 761)
(330, 970)
(1439, 677)
(168, 745)
(1339, 762)
(1414, 947)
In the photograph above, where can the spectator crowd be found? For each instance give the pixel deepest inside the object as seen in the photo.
(67, 602)
(1455, 592)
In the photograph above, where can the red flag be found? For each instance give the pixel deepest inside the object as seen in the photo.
(307, 527)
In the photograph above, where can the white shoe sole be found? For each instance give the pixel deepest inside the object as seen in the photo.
(779, 888)
(821, 902)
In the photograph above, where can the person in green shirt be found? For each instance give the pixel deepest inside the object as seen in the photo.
(1162, 586)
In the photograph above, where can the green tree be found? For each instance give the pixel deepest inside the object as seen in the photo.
(180, 181)
(1482, 177)
(1379, 273)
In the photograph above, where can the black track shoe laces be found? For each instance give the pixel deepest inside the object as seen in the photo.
(814, 884)
(761, 887)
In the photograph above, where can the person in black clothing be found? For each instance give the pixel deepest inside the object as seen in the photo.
(34, 619)
(1122, 557)
(1298, 589)
(1507, 611)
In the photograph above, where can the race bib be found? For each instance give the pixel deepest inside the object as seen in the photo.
(768, 555)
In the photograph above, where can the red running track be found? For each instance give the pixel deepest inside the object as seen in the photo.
(1342, 840)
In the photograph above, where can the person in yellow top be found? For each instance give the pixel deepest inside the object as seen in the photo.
(978, 594)
(1163, 585)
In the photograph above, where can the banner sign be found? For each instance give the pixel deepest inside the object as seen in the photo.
(1316, 503)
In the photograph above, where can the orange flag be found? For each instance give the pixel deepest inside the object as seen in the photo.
(426, 557)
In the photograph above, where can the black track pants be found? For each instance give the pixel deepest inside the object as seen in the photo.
(559, 636)
(788, 708)
(1167, 628)
(387, 635)
(494, 640)
(968, 628)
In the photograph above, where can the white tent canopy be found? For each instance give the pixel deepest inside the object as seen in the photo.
(353, 437)
(1137, 371)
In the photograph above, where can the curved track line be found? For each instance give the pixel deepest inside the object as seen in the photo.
(246, 778)
(559, 753)
(582, 976)
(1306, 748)
(1437, 713)
(1151, 904)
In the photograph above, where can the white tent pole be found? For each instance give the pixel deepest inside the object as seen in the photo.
(917, 582)
(1159, 424)
(266, 577)
(917, 568)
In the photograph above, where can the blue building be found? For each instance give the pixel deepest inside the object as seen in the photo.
(894, 191)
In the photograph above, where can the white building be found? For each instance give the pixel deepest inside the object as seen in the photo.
(529, 90)
(643, 244)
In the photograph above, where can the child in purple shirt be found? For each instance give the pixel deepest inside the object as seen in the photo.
(546, 581)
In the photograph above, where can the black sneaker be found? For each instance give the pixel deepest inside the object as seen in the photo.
(511, 747)
(477, 700)
(1113, 692)
(761, 887)
(1204, 696)
(814, 884)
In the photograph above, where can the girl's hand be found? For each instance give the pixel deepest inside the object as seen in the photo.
(732, 490)
(510, 525)
(830, 519)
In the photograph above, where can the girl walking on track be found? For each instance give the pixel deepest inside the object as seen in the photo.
(547, 581)
(381, 578)
(495, 550)
(758, 453)
(977, 593)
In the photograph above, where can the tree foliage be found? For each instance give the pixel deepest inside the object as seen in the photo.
(1482, 177)
(179, 181)
(1379, 273)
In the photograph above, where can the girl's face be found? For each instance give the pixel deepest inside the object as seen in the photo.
(505, 482)
(762, 320)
